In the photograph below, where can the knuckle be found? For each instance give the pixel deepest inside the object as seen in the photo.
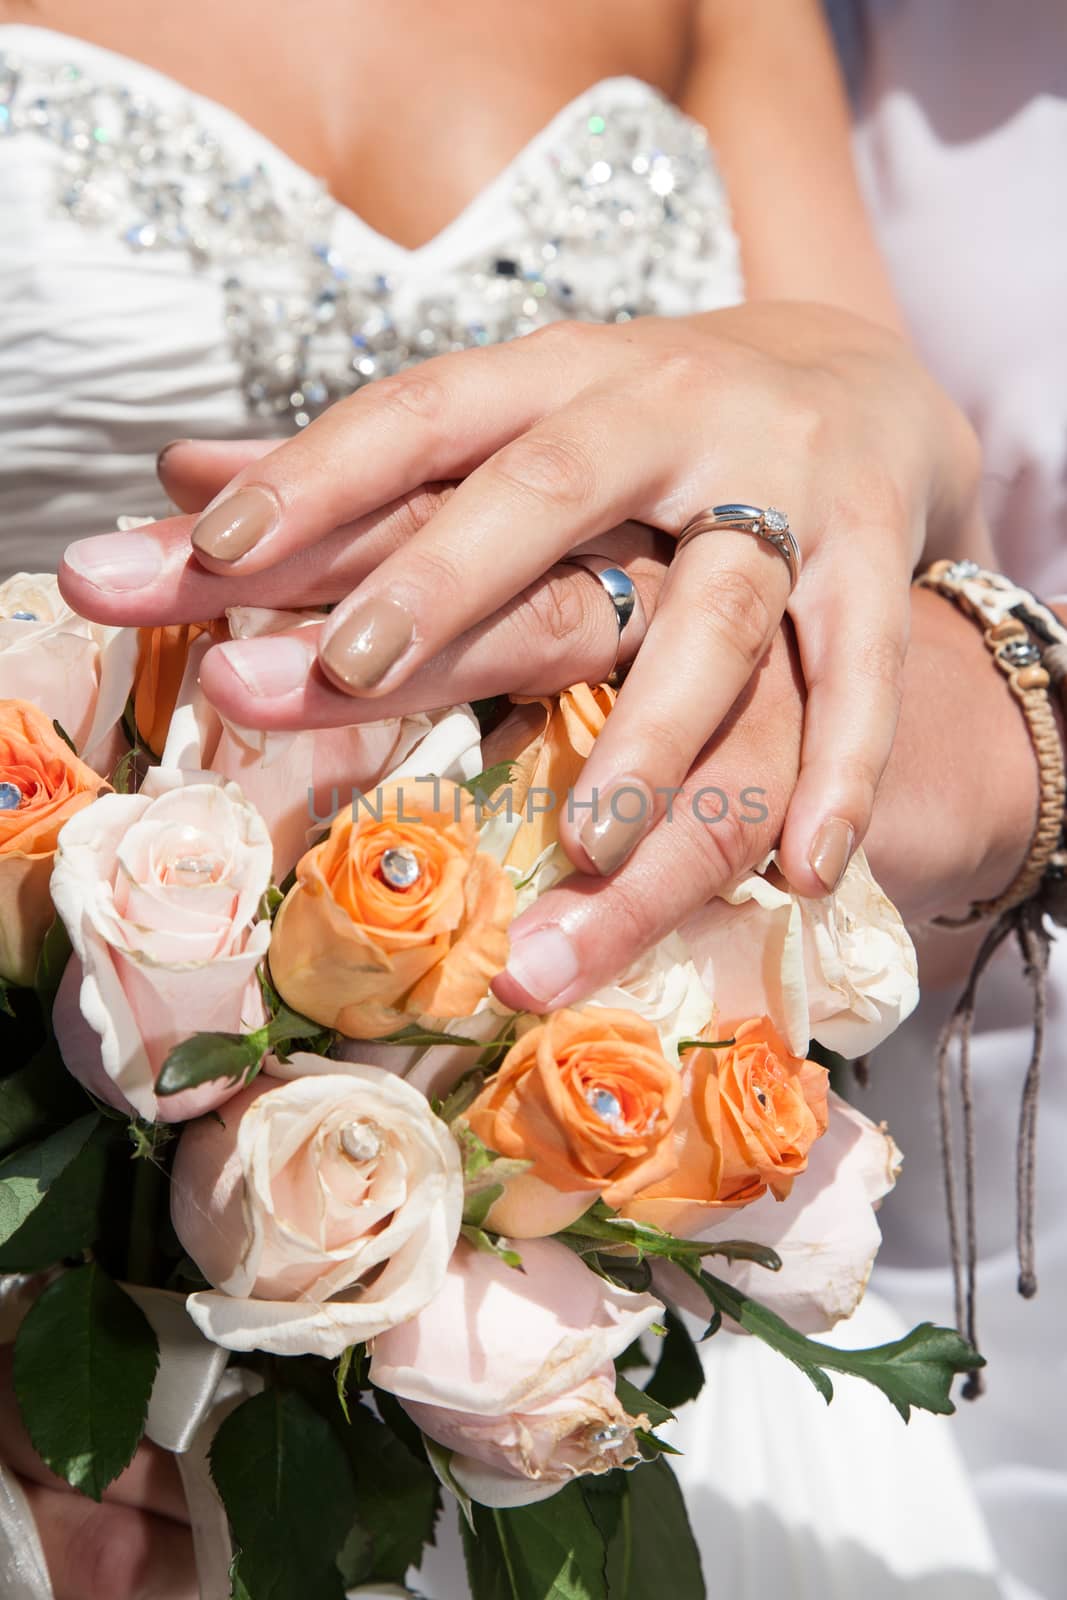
(565, 609)
(548, 468)
(734, 607)
(631, 915)
(105, 1555)
(441, 571)
(416, 393)
(680, 368)
(722, 848)
(409, 515)
(564, 340)
(880, 662)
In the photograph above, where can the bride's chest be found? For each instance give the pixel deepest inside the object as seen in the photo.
(404, 109)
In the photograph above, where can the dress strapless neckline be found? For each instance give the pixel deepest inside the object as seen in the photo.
(66, 47)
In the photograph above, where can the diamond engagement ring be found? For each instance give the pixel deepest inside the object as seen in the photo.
(771, 525)
(620, 590)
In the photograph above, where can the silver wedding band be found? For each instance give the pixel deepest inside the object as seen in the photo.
(771, 525)
(620, 590)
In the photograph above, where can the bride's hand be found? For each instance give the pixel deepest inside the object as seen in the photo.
(134, 1545)
(563, 435)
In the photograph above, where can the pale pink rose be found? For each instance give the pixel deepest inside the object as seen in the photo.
(841, 969)
(160, 893)
(297, 780)
(323, 1206)
(825, 1231)
(513, 1371)
(78, 673)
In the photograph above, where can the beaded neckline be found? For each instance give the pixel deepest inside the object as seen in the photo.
(613, 210)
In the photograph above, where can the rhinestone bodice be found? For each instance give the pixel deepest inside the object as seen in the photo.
(161, 230)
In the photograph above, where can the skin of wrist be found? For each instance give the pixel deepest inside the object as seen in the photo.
(958, 802)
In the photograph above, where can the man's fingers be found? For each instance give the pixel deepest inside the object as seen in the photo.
(146, 577)
(111, 1552)
(565, 481)
(721, 605)
(561, 630)
(194, 471)
(580, 936)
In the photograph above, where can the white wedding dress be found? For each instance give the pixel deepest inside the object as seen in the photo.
(165, 271)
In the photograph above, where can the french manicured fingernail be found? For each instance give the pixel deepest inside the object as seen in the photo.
(367, 643)
(622, 817)
(235, 526)
(831, 851)
(269, 668)
(116, 560)
(544, 963)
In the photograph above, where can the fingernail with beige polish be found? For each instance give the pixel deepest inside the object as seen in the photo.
(235, 526)
(368, 643)
(831, 851)
(623, 815)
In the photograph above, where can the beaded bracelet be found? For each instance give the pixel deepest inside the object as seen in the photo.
(1014, 627)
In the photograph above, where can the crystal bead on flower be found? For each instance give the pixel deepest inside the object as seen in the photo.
(187, 858)
(607, 1107)
(11, 796)
(400, 867)
(361, 1141)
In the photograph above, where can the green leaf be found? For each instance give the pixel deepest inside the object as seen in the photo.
(344, 1367)
(414, 1035)
(440, 1461)
(124, 777)
(600, 1229)
(36, 1098)
(51, 964)
(85, 1362)
(637, 1402)
(398, 1498)
(62, 733)
(491, 1244)
(487, 782)
(5, 1004)
(914, 1371)
(553, 1550)
(206, 1056)
(50, 1195)
(650, 1546)
(288, 1490)
(679, 1374)
(703, 1044)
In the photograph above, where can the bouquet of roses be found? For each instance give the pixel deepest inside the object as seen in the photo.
(286, 1188)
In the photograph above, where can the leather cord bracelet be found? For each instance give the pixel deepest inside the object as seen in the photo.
(998, 607)
(1028, 643)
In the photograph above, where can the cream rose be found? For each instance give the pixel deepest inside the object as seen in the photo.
(323, 1206)
(825, 1230)
(78, 673)
(513, 1371)
(160, 893)
(298, 780)
(841, 969)
(664, 987)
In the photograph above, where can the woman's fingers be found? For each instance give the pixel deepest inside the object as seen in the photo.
(151, 1481)
(561, 630)
(438, 420)
(194, 471)
(852, 650)
(113, 1551)
(719, 610)
(579, 937)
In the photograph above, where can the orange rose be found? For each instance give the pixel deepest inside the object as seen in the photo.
(547, 741)
(590, 1100)
(752, 1113)
(42, 783)
(395, 914)
(162, 654)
